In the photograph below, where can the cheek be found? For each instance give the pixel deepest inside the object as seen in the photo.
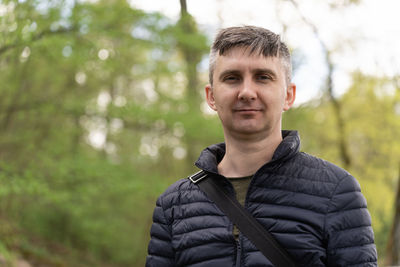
(222, 100)
(274, 97)
(282, 98)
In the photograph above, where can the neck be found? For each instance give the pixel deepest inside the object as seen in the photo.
(245, 157)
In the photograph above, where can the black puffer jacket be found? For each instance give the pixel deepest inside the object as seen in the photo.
(312, 207)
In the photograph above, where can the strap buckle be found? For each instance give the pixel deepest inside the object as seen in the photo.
(197, 177)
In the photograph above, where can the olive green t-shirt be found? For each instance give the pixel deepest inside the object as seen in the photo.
(240, 184)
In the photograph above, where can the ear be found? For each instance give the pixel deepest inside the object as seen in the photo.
(290, 96)
(210, 97)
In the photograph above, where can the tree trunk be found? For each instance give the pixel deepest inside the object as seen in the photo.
(192, 57)
(393, 245)
(338, 111)
(183, 7)
(337, 107)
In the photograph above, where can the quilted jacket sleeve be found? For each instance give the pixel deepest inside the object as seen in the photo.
(350, 239)
(160, 252)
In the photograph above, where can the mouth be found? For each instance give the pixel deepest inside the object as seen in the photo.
(247, 111)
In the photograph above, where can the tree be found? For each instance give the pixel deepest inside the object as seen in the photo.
(192, 45)
(336, 104)
(393, 245)
(88, 121)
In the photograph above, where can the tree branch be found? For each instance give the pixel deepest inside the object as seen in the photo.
(36, 37)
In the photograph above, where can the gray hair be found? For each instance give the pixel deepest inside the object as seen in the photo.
(257, 40)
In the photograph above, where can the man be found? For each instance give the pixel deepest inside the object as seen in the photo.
(313, 208)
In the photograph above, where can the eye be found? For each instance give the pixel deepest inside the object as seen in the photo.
(263, 77)
(231, 78)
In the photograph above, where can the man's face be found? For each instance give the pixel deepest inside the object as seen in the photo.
(249, 93)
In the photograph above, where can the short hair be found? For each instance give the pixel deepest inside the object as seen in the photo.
(257, 39)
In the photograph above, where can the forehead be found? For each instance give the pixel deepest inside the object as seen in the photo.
(241, 59)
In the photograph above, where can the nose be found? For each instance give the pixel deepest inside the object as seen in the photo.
(247, 91)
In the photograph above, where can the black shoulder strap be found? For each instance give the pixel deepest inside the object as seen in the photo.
(247, 224)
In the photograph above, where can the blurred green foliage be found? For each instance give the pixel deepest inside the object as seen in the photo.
(100, 110)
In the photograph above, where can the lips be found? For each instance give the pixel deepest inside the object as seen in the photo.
(247, 112)
(247, 109)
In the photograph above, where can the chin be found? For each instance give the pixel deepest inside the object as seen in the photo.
(252, 130)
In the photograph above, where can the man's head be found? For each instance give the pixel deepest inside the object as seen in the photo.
(257, 40)
(250, 82)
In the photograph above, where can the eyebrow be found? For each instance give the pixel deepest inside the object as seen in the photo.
(254, 71)
(267, 71)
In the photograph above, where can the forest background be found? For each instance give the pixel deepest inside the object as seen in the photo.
(101, 108)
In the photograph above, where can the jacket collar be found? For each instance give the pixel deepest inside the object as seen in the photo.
(212, 155)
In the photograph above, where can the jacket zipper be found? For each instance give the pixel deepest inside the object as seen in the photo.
(238, 252)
